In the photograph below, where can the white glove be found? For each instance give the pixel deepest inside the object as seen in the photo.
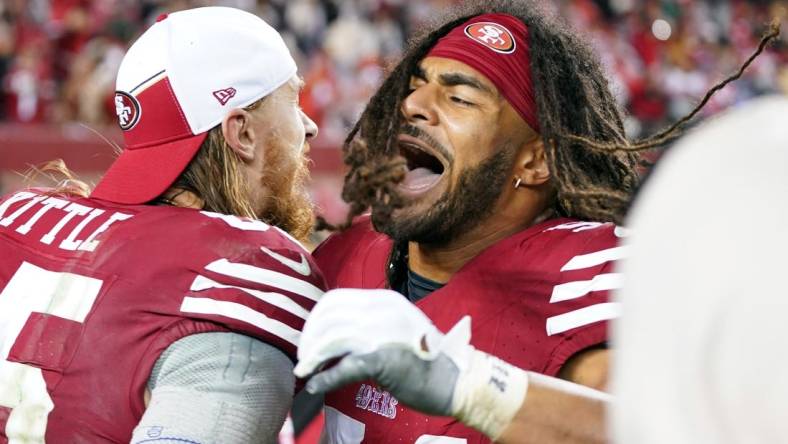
(362, 321)
(380, 335)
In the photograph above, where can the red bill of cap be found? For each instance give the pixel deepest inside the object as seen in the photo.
(140, 175)
(159, 144)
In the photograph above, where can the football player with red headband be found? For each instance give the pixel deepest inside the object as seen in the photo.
(702, 380)
(486, 203)
(496, 166)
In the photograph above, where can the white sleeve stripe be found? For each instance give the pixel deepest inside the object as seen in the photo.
(596, 258)
(237, 222)
(583, 316)
(202, 283)
(266, 277)
(241, 313)
(576, 289)
(576, 227)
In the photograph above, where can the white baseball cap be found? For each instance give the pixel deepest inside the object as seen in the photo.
(178, 81)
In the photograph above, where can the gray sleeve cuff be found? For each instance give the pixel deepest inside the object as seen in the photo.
(217, 388)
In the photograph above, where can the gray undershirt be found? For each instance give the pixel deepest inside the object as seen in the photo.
(217, 388)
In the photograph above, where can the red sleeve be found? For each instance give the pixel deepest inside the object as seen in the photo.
(330, 255)
(354, 258)
(264, 292)
(580, 305)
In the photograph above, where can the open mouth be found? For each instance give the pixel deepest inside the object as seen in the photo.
(417, 158)
(424, 169)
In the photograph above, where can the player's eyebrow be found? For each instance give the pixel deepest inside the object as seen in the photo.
(455, 79)
(301, 83)
(461, 79)
(419, 73)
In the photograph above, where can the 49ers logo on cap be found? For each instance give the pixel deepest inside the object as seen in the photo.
(492, 35)
(128, 110)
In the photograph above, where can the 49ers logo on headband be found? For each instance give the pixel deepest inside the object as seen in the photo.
(492, 35)
(128, 110)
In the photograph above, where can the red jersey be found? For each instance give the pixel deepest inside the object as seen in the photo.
(535, 298)
(91, 293)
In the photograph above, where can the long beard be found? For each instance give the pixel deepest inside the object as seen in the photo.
(457, 212)
(290, 207)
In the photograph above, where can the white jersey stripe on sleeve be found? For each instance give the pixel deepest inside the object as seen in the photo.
(266, 277)
(576, 289)
(577, 227)
(241, 313)
(279, 300)
(583, 316)
(237, 222)
(596, 258)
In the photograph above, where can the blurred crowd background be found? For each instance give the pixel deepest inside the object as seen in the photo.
(58, 58)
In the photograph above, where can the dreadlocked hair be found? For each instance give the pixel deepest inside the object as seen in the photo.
(594, 165)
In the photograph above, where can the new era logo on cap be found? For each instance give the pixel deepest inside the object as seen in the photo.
(492, 35)
(224, 95)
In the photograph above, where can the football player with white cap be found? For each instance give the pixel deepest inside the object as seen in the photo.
(167, 305)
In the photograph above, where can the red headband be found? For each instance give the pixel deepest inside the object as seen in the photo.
(496, 45)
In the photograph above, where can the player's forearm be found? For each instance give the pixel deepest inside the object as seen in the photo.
(442, 374)
(553, 415)
(511, 405)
